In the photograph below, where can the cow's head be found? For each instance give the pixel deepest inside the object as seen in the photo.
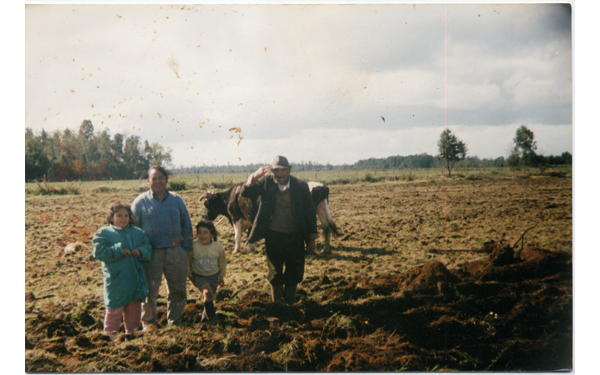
(214, 205)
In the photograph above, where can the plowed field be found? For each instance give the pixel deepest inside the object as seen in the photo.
(424, 276)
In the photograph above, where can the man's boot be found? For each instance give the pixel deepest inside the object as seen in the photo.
(290, 293)
(277, 292)
(209, 307)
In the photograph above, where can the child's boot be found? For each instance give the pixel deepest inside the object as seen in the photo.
(111, 334)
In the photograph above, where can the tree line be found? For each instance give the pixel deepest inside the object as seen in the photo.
(302, 166)
(452, 153)
(420, 161)
(69, 155)
(85, 155)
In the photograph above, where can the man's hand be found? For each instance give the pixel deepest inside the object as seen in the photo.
(258, 174)
(311, 246)
(126, 252)
(136, 253)
(221, 282)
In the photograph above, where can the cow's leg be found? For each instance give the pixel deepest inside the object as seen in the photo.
(247, 227)
(251, 246)
(322, 214)
(237, 228)
(327, 236)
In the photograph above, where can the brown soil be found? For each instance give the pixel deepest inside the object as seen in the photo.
(386, 299)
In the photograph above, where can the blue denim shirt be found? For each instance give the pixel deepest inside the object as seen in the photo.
(166, 222)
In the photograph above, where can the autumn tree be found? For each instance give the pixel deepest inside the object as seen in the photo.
(68, 155)
(451, 150)
(157, 154)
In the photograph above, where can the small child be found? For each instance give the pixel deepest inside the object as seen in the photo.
(121, 246)
(207, 265)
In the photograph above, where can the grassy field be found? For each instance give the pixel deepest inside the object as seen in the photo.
(227, 179)
(357, 309)
(224, 180)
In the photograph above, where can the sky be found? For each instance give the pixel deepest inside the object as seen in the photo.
(336, 83)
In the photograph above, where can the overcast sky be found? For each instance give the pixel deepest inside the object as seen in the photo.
(240, 84)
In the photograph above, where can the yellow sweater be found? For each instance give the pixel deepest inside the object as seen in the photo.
(207, 260)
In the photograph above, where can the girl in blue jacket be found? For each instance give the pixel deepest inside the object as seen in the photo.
(122, 247)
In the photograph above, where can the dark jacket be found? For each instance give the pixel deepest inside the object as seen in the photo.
(303, 206)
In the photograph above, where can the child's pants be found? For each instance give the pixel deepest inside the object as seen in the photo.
(131, 313)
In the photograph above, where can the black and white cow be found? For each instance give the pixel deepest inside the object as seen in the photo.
(240, 211)
(232, 205)
(320, 195)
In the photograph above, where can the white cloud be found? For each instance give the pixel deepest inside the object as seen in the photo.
(184, 75)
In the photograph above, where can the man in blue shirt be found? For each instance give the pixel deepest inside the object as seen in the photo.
(165, 219)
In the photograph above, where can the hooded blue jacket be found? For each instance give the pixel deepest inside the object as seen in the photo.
(124, 277)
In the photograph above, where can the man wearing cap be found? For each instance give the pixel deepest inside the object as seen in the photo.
(286, 219)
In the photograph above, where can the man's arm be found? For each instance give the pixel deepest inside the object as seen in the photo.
(253, 187)
(137, 212)
(260, 172)
(187, 231)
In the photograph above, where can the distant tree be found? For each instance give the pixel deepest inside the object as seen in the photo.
(394, 162)
(36, 162)
(451, 150)
(157, 154)
(136, 162)
(524, 151)
(86, 130)
(499, 162)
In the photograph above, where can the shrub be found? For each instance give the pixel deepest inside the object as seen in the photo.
(369, 178)
(341, 181)
(177, 185)
(46, 189)
(104, 189)
(221, 185)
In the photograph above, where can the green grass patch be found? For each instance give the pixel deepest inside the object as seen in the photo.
(177, 185)
(45, 189)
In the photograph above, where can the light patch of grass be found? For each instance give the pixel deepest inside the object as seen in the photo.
(177, 184)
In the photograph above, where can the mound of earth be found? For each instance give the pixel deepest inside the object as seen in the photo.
(511, 311)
